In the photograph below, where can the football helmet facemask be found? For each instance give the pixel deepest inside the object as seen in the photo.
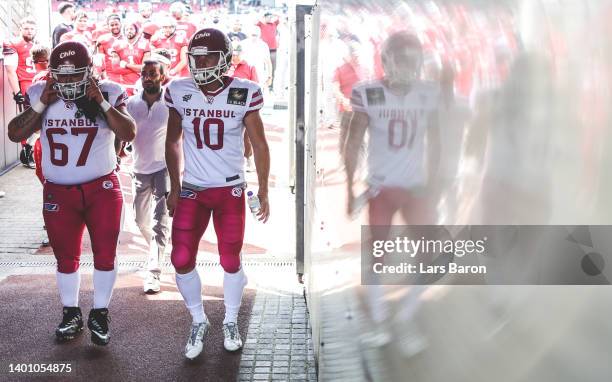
(209, 41)
(402, 58)
(70, 66)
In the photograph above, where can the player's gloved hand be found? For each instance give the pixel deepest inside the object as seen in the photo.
(19, 98)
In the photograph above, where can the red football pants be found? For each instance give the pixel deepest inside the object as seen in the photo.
(191, 217)
(415, 210)
(67, 210)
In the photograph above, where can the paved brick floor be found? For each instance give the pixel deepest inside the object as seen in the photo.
(279, 346)
(21, 225)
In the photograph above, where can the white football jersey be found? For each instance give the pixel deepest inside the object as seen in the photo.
(396, 131)
(213, 128)
(75, 149)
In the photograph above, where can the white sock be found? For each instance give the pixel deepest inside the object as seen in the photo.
(411, 302)
(68, 285)
(233, 285)
(379, 307)
(104, 282)
(190, 286)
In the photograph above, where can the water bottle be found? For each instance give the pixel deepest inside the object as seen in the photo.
(253, 202)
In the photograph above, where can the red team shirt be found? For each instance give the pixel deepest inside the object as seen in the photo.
(41, 76)
(150, 28)
(84, 38)
(25, 65)
(185, 28)
(105, 46)
(268, 33)
(347, 75)
(174, 44)
(243, 70)
(99, 31)
(132, 54)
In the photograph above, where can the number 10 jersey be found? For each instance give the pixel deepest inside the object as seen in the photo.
(213, 128)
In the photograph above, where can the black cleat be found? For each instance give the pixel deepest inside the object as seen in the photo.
(71, 324)
(98, 324)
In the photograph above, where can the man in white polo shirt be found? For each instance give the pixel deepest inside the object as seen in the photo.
(151, 181)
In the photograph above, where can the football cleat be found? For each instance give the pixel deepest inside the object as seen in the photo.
(195, 343)
(98, 325)
(151, 284)
(232, 341)
(71, 325)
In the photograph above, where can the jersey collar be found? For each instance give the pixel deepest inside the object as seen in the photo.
(226, 82)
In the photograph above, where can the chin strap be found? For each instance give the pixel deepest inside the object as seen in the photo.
(220, 79)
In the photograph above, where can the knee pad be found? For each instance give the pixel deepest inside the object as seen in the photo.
(230, 263)
(104, 263)
(181, 257)
(67, 265)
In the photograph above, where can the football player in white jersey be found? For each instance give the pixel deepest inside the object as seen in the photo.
(399, 113)
(79, 119)
(208, 115)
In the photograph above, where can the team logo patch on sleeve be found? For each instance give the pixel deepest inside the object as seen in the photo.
(107, 184)
(51, 207)
(237, 96)
(187, 97)
(375, 96)
(187, 194)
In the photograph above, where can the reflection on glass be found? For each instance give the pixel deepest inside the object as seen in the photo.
(456, 112)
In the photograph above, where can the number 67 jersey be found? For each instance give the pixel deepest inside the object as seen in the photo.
(213, 128)
(75, 149)
(396, 131)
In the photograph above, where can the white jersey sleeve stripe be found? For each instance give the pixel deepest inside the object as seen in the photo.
(256, 102)
(121, 100)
